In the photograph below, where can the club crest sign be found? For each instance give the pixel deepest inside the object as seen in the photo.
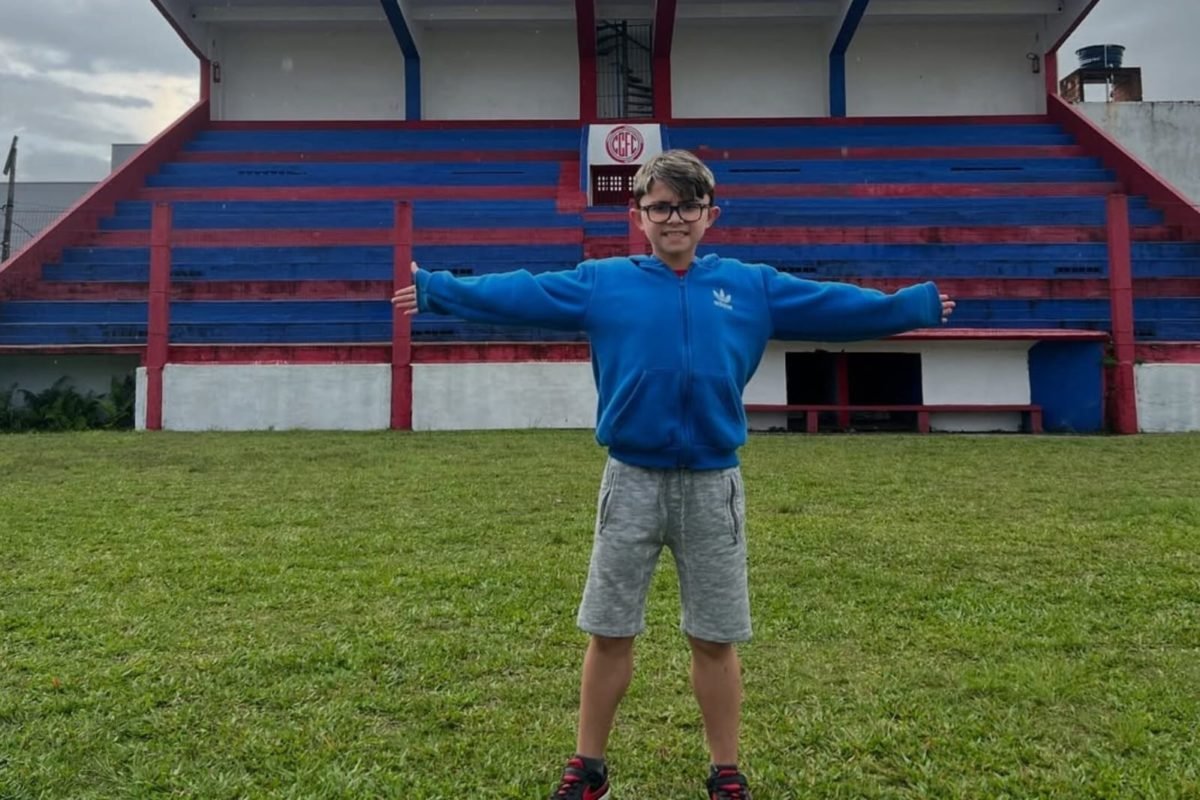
(625, 144)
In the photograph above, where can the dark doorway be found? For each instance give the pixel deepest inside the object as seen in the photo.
(879, 379)
(811, 380)
(884, 379)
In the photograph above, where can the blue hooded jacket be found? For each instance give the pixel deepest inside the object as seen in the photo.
(672, 355)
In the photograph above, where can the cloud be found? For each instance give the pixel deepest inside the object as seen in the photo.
(99, 36)
(30, 89)
(77, 77)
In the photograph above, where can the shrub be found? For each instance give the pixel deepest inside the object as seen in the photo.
(61, 407)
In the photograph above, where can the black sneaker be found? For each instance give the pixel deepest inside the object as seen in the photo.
(579, 783)
(727, 784)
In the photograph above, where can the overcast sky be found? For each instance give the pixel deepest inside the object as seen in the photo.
(79, 75)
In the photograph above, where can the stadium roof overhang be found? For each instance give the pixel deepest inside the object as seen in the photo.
(196, 20)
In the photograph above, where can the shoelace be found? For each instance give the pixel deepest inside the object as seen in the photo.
(569, 782)
(730, 791)
(572, 779)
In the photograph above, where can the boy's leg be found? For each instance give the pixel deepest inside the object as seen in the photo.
(717, 683)
(607, 671)
(708, 540)
(628, 539)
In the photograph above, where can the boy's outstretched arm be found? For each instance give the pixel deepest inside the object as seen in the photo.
(550, 299)
(816, 310)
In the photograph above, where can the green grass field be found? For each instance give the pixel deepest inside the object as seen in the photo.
(389, 615)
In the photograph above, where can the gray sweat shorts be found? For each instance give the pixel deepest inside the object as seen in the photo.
(700, 516)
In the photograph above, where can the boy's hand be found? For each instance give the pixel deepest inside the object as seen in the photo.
(947, 306)
(406, 298)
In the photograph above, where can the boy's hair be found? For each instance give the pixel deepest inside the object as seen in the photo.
(678, 170)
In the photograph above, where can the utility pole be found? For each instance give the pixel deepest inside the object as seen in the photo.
(10, 169)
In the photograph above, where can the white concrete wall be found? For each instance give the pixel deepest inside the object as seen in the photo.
(930, 68)
(522, 395)
(951, 372)
(1168, 397)
(976, 372)
(86, 372)
(272, 396)
(500, 73)
(335, 72)
(1165, 136)
(556, 395)
(139, 399)
(743, 69)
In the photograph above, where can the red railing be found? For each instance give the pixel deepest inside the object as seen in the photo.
(1138, 178)
(160, 352)
(24, 269)
(1120, 286)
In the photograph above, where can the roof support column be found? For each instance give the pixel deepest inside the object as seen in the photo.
(394, 9)
(844, 28)
(585, 30)
(660, 53)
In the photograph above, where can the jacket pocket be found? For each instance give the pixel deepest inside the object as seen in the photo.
(719, 418)
(646, 417)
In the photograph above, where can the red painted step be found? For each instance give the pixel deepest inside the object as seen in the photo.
(373, 156)
(499, 193)
(922, 190)
(963, 288)
(215, 237)
(900, 153)
(927, 234)
(780, 235)
(571, 199)
(279, 354)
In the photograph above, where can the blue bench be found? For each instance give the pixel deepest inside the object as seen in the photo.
(357, 321)
(284, 214)
(838, 212)
(826, 261)
(431, 141)
(348, 263)
(933, 135)
(985, 170)
(224, 174)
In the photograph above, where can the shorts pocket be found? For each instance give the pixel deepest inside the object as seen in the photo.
(607, 485)
(737, 508)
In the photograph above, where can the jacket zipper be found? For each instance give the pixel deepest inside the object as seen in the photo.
(685, 456)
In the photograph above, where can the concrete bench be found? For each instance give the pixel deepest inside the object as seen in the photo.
(1031, 414)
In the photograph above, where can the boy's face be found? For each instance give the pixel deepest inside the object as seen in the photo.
(674, 241)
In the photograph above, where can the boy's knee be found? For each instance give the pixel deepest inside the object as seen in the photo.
(713, 650)
(613, 646)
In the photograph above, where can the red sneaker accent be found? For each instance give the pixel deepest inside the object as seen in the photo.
(572, 778)
(734, 790)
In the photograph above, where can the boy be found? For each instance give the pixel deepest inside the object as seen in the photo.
(674, 341)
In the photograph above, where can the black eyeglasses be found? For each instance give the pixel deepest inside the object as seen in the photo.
(688, 212)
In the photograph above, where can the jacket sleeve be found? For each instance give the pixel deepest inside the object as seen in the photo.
(826, 311)
(556, 300)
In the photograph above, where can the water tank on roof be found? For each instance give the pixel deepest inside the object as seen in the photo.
(1101, 56)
